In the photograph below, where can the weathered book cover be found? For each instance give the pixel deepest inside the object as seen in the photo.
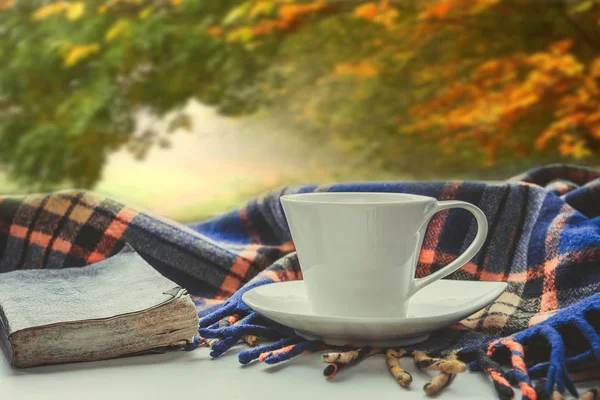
(116, 307)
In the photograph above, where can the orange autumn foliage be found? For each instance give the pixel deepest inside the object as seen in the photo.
(292, 12)
(578, 111)
(367, 11)
(291, 16)
(442, 8)
(487, 106)
(264, 27)
(477, 86)
(437, 11)
(4, 4)
(288, 17)
(381, 13)
(364, 69)
(215, 31)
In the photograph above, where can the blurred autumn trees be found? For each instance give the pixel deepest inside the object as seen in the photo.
(428, 87)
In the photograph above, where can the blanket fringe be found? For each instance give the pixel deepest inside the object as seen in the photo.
(448, 368)
(392, 358)
(558, 379)
(339, 360)
(291, 351)
(250, 340)
(495, 371)
(519, 371)
(247, 356)
(438, 383)
(545, 380)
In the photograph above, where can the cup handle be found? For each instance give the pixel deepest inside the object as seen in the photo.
(482, 229)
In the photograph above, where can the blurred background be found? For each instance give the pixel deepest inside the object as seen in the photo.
(188, 108)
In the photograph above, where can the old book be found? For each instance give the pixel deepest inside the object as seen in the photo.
(116, 307)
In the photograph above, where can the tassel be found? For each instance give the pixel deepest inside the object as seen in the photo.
(518, 362)
(250, 340)
(557, 372)
(213, 319)
(193, 345)
(392, 358)
(228, 321)
(448, 365)
(288, 352)
(438, 382)
(220, 346)
(502, 386)
(448, 368)
(247, 356)
(339, 360)
(247, 326)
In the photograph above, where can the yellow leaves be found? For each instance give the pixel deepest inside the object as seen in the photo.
(175, 3)
(4, 4)
(563, 64)
(502, 94)
(577, 118)
(285, 16)
(72, 54)
(582, 6)
(381, 13)
(263, 7)
(365, 69)
(574, 147)
(243, 35)
(146, 12)
(122, 27)
(491, 66)
(236, 14)
(75, 10)
(108, 4)
(496, 72)
(80, 52)
(50, 10)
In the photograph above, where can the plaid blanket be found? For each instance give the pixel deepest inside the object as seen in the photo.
(544, 240)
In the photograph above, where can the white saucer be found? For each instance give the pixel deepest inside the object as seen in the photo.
(436, 306)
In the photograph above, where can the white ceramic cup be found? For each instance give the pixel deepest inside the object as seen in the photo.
(358, 251)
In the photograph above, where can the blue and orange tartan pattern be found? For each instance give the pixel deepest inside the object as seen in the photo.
(544, 240)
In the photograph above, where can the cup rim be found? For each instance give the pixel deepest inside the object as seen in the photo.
(355, 198)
